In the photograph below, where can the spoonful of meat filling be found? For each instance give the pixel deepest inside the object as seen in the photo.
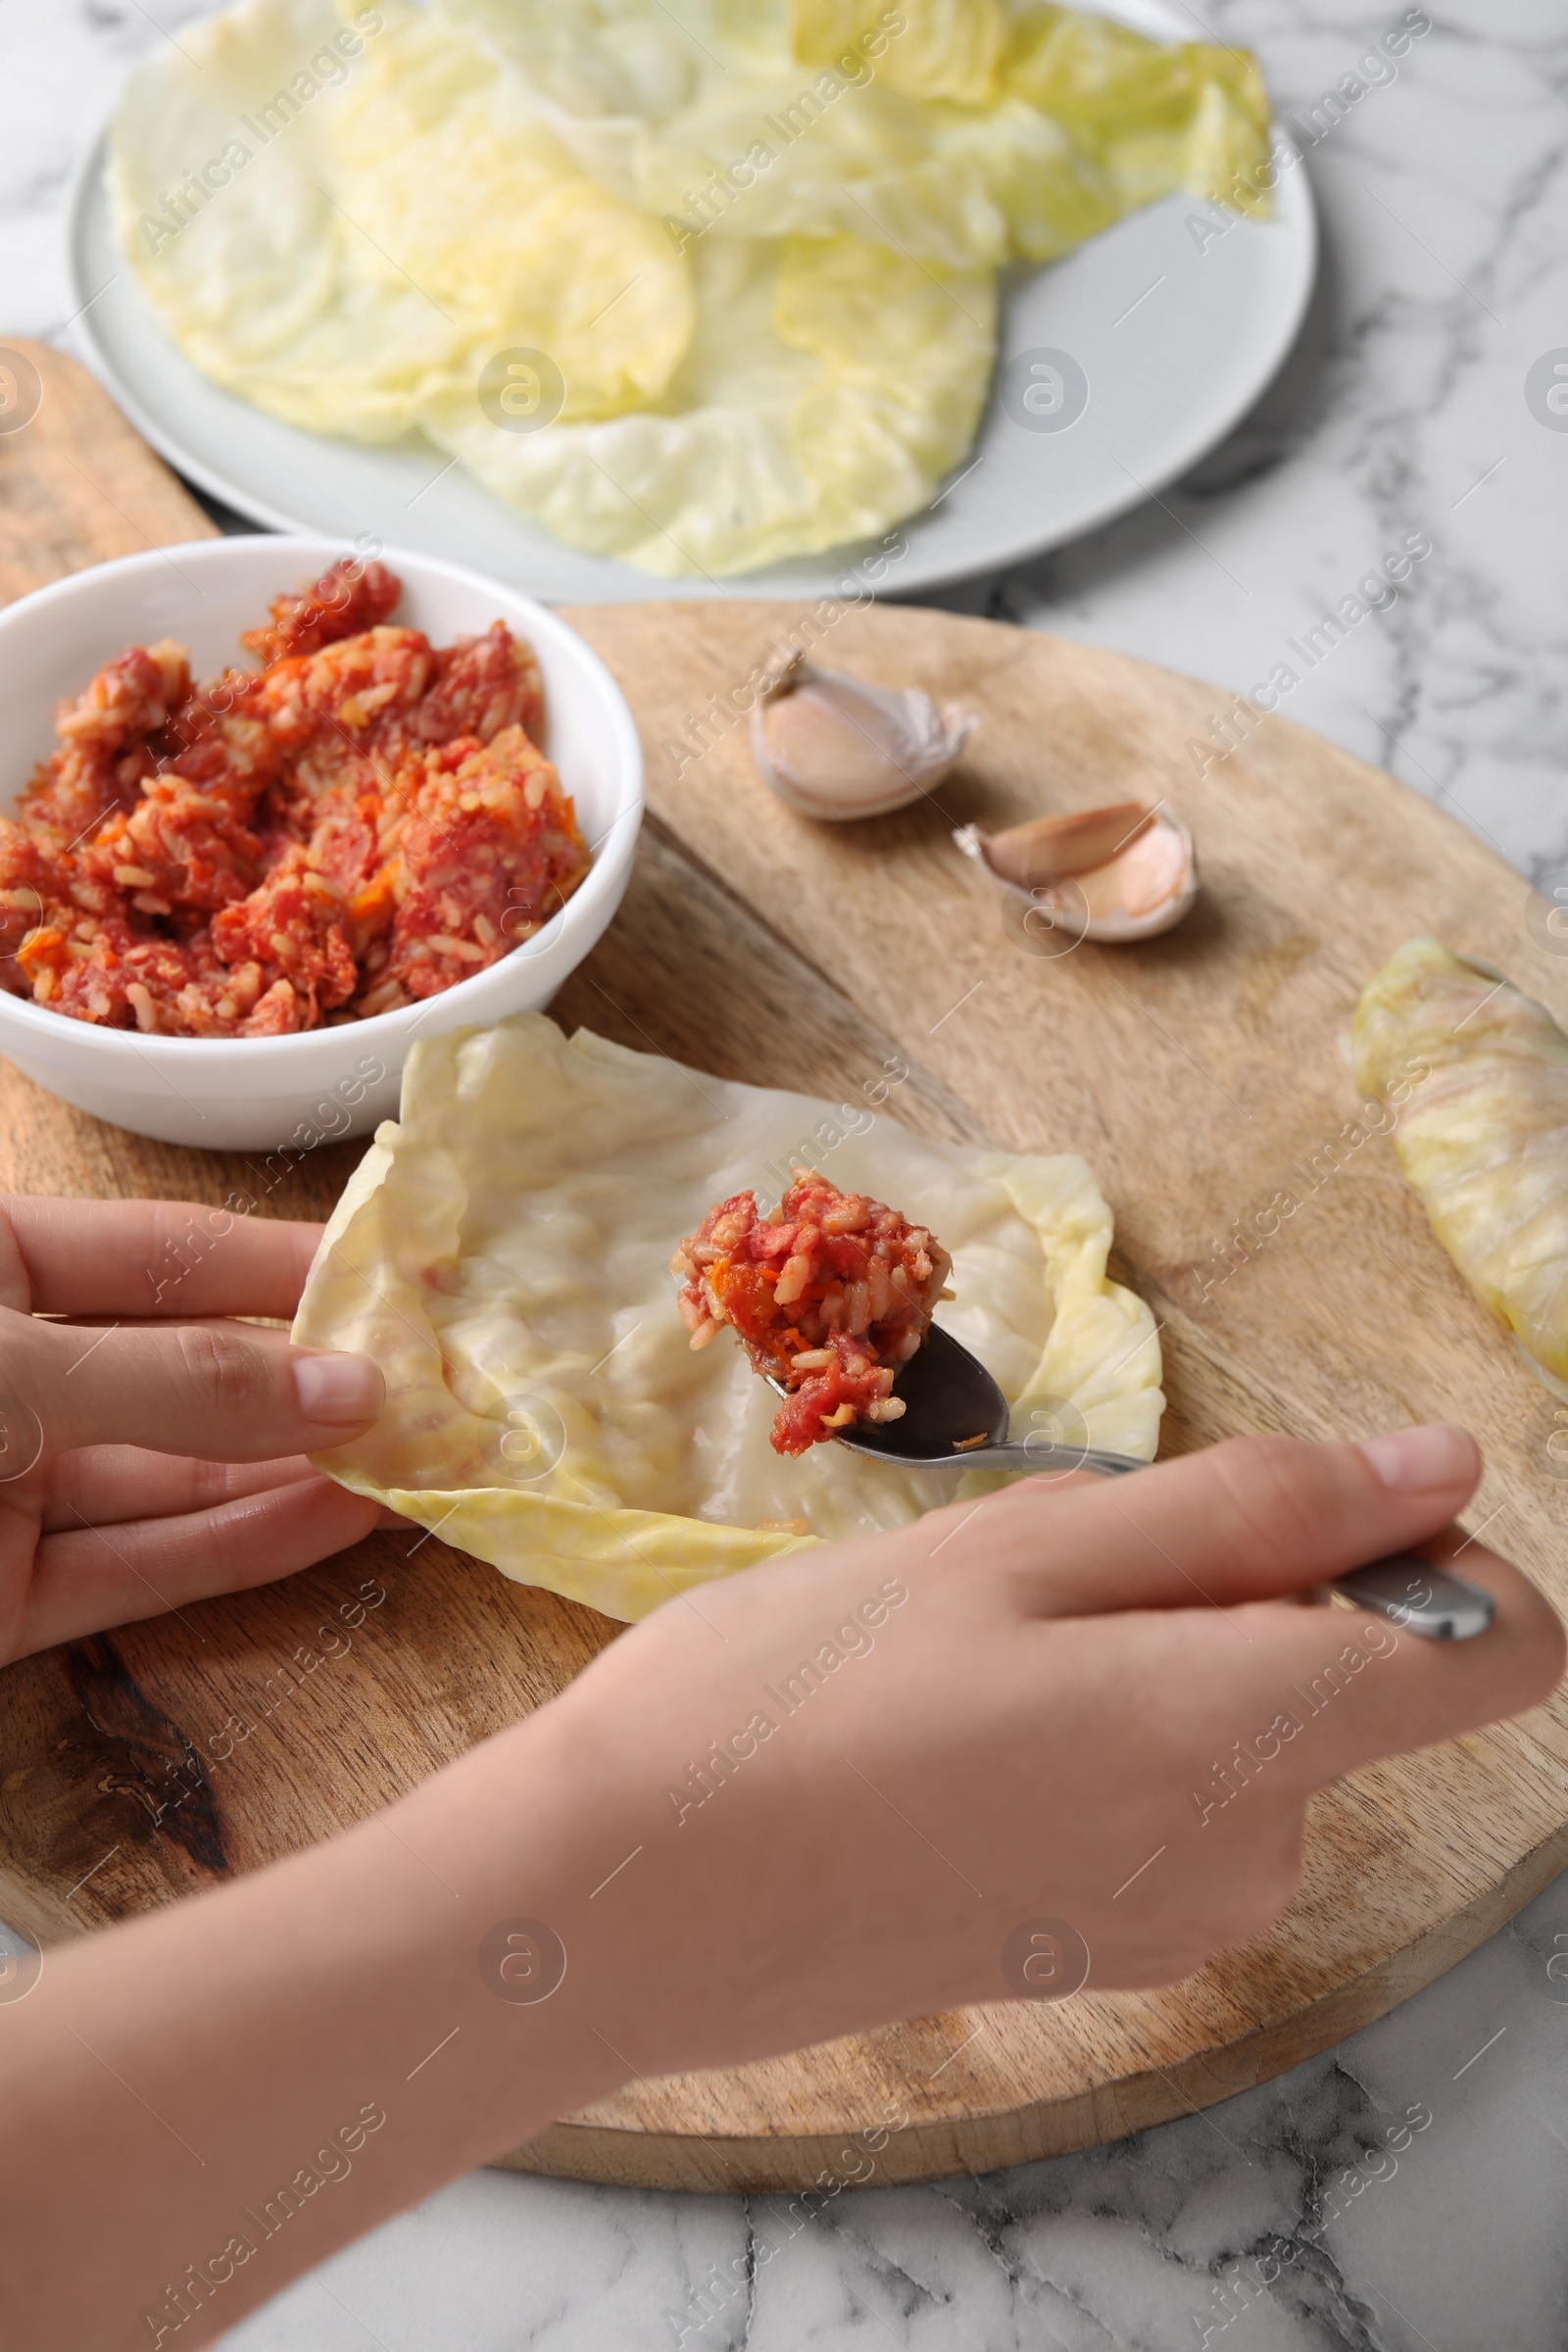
(832, 1298)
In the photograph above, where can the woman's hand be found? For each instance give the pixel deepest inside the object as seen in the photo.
(1091, 1714)
(152, 1451)
(855, 1778)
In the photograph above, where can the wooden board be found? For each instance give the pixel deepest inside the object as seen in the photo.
(1200, 1075)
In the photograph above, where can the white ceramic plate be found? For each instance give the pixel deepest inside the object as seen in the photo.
(1173, 334)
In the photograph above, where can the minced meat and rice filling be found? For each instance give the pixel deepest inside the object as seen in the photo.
(359, 823)
(830, 1296)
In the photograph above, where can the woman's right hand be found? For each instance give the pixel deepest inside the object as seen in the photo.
(1097, 1703)
(1076, 1726)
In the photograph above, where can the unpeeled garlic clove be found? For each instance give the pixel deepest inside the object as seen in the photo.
(1114, 875)
(837, 748)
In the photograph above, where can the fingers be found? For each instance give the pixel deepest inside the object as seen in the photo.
(222, 1392)
(1247, 1520)
(111, 1576)
(98, 1485)
(148, 1257)
(1366, 1688)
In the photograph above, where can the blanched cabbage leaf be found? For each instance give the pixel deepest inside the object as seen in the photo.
(1188, 114)
(386, 235)
(828, 386)
(975, 135)
(503, 1252)
(936, 49)
(756, 239)
(1484, 1134)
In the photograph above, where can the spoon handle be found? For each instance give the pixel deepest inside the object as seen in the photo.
(1419, 1597)
(1042, 1454)
(1411, 1593)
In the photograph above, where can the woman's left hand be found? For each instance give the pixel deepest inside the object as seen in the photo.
(152, 1448)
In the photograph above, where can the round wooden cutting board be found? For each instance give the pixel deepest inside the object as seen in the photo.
(1200, 1075)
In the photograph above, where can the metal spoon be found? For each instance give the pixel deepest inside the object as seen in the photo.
(952, 1402)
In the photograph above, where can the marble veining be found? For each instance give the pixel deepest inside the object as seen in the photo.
(1401, 2193)
(1444, 197)
(1321, 2213)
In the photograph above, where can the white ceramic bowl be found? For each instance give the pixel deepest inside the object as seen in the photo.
(282, 1094)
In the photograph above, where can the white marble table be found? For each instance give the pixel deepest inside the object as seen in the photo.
(1404, 407)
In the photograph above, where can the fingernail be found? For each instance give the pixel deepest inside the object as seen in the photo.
(1412, 1460)
(338, 1392)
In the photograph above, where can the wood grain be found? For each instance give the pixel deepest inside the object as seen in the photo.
(80, 486)
(1202, 1078)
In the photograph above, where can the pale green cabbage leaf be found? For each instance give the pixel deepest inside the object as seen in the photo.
(756, 243)
(503, 1254)
(1480, 1072)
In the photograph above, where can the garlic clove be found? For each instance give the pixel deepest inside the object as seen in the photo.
(834, 747)
(1052, 846)
(1114, 875)
(1146, 889)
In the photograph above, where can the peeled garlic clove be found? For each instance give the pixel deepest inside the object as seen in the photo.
(1146, 889)
(1113, 875)
(834, 747)
(1052, 846)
